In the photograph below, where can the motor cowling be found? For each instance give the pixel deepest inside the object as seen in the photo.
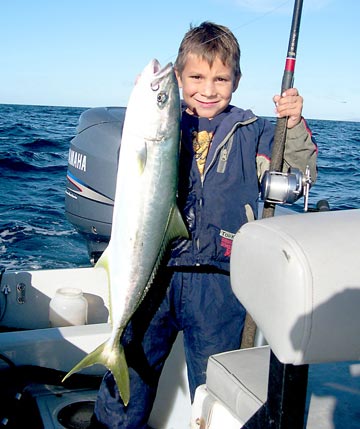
(91, 175)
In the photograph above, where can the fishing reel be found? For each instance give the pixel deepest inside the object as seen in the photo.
(286, 188)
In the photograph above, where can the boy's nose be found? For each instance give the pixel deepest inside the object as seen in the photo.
(208, 88)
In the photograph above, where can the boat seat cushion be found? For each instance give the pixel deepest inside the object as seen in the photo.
(299, 278)
(230, 377)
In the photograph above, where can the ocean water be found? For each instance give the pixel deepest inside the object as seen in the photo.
(34, 144)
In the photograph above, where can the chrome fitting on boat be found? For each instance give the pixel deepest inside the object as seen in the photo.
(286, 188)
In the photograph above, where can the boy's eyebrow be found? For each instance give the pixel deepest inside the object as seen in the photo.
(196, 71)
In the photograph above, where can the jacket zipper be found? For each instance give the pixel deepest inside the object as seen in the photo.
(224, 141)
(221, 145)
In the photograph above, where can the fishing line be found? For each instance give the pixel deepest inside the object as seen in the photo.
(269, 12)
(245, 24)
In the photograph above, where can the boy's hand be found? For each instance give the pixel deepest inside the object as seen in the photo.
(290, 104)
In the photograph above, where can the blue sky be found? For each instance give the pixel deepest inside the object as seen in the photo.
(88, 53)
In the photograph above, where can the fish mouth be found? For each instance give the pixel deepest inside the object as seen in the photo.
(159, 73)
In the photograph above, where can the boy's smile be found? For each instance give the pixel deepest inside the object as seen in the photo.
(207, 91)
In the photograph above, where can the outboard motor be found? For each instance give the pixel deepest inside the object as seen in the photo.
(91, 175)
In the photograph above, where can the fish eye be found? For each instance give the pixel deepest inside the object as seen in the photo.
(161, 97)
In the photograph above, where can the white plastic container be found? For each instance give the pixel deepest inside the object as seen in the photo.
(67, 308)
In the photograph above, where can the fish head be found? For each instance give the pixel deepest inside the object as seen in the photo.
(155, 103)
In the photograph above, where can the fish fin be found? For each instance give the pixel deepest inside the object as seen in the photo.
(112, 358)
(142, 158)
(176, 226)
(103, 261)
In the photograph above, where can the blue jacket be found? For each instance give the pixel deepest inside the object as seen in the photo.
(217, 204)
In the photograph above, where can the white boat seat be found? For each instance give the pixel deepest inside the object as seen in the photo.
(299, 278)
(230, 377)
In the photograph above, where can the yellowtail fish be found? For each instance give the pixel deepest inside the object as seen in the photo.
(145, 217)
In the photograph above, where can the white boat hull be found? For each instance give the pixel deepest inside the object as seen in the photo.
(61, 348)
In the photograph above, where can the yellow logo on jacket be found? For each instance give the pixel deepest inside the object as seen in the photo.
(201, 144)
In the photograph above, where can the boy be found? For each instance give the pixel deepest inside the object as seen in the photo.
(224, 152)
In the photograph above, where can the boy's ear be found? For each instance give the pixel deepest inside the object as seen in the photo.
(236, 83)
(178, 77)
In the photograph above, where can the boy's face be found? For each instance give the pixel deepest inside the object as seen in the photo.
(206, 91)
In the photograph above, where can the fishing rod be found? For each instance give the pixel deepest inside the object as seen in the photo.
(277, 155)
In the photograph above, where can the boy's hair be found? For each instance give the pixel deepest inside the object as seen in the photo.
(209, 41)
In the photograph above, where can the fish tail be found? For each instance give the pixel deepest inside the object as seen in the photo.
(112, 358)
(103, 261)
